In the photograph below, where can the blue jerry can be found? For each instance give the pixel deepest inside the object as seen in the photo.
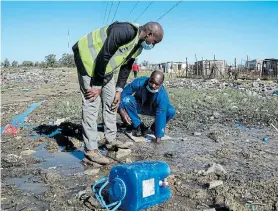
(135, 186)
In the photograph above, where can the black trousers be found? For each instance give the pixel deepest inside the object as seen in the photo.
(135, 74)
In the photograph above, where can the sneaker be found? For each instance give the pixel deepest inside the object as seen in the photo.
(119, 144)
(97, 157)
(137, 132)
(140, 130)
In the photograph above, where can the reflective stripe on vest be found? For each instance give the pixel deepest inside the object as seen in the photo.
(94, 42)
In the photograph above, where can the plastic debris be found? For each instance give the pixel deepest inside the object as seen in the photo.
(10, 130)
(265, 139)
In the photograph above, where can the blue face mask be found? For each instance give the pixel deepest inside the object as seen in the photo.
(146, 46)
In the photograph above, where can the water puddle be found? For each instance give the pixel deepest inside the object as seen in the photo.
(28, 184)
(66, 163)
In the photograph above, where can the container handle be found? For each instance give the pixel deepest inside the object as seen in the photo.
(99, 196)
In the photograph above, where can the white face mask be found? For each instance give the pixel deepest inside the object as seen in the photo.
(152, 90)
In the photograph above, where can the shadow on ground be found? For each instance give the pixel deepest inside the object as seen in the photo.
(62, 135)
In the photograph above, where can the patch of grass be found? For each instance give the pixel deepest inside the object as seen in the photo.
(204, 105)
(69, 106)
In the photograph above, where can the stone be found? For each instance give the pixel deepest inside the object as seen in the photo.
(27, 152)
(214, 168)
(59, 121)
(215, 183)
(216, 114)
(122, 153)
(184, 139)
(92, 172)
(52, 176)
(11, 158)
(197, 133)
(128, 160)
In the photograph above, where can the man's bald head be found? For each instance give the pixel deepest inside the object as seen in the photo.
(158, 75)
(152, 33)
(156, 80)
(154, 28)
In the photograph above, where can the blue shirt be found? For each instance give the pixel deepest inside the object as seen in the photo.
(158, 104)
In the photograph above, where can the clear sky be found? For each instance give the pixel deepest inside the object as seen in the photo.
(32, 30)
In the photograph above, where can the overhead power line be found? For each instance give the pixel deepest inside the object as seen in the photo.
(105, 12)
(144, 11)
(132, 9)
(116, 11)
(109, 11)
(169, 10)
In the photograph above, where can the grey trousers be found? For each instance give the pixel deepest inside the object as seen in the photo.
(90, 113)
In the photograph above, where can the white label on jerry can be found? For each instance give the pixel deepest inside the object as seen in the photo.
(148, 187)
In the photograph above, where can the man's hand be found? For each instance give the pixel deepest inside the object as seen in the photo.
(125, 116)
(116, 102)
(92, 93)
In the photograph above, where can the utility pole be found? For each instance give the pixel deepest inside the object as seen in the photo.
(68, 40)
(186, 67)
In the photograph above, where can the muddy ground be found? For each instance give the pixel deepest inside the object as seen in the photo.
(217, 134)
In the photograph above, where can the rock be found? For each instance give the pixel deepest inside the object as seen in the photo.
(27, 152)
(122, 153)
(215, 136)
(234, 107)
(197, 133)
(214, 168)
(18, 138)
(76, 142)
(216, 114)
(212, 209)
(77, 199)
(52, 176)
(128, 160)
(168, 155)
(214, 81)
(11, 158)
(214, 184)
(59, 121)
(91, 172)
(255, 84)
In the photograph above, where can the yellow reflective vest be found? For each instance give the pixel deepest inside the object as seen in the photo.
(90, 45)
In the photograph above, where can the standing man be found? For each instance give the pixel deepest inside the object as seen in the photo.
(147, 96)
(97, 56)
(135, 69)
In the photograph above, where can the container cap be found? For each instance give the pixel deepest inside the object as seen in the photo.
(117, 189)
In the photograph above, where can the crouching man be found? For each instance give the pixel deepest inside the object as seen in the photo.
(146, 96)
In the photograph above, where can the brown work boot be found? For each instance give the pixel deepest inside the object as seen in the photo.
(119, 144)
(97, 157)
